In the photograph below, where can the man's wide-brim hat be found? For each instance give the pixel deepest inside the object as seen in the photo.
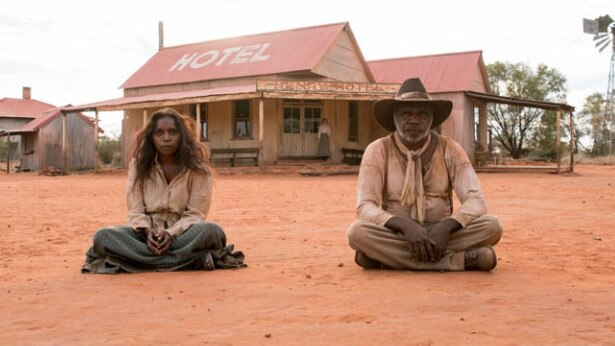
(411, 92)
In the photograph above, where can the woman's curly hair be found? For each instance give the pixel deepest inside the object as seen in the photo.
(189, 155)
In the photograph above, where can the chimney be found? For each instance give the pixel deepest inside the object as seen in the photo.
(26, 93)
(160, 36)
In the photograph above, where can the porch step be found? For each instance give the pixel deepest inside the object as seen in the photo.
(305, 169)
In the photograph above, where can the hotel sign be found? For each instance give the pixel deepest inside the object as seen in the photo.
(326, 87)
(218, 57)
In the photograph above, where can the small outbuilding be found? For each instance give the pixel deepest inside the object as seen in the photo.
(15, 113)
(46, 136)
(61, 140)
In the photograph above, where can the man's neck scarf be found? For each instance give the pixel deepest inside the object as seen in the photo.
(413, 192)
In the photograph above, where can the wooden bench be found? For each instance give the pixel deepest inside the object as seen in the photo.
(232, 154)
(352, 156)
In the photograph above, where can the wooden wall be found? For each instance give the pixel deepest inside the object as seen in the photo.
(80, 143)
(29, 152)
(11, 123)
(460, 124)
(478, 81)
(48, 145)
(49, 149)
(342, 62)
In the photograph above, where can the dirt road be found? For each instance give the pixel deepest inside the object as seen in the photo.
(555, 282)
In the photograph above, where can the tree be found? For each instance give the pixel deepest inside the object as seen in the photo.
(593, 113)
(513, 125)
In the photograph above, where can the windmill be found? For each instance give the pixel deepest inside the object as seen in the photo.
(603, 29)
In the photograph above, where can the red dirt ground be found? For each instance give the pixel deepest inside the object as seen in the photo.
(554, 282)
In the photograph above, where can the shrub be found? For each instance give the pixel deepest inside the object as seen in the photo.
(109, 151)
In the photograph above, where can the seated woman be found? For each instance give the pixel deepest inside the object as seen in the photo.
(169, 195)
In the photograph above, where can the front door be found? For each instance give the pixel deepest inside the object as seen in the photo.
(300, 121)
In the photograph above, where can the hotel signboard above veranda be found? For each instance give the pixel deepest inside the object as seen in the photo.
(319, 89)
(311, 86)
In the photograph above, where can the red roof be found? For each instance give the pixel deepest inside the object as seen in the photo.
(22, 108)
(127, 100)
(254, 55)
(46, 118)
(439, 73)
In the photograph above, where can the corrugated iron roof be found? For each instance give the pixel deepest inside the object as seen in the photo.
(254, 55)
(47, 117)
(22, 108)
(439, 73)
(181, 95)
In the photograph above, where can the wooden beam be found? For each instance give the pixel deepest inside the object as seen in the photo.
(8, 153)
(198, 123)
(64, 156)
(557, 140)
(572, 146)
(483, 128)
(96, 142)
(261, 132)
(174, 102)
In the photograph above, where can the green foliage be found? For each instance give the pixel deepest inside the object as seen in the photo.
(109, 151)
(594, 118)
(515, 126)
(3, 151)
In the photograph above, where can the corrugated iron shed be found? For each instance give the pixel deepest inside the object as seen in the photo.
(22, 108)
(439, 73)
(278, 52)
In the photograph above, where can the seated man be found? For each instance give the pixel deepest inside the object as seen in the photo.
(404, 194)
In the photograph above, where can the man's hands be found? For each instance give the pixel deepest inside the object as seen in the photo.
(425, 245)
(158, 241)
(440, 232)
(420, 245)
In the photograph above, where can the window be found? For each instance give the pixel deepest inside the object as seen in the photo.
(296, 111)
(292, 122)
(312, 119)
(27, 144)
(353, 120)
(242, 126)
(204, 120)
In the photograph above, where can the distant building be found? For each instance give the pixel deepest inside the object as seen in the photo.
(39, 128)
(15, 113)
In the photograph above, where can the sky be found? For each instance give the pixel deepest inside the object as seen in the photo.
(77, 52)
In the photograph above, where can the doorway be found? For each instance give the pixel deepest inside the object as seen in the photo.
(300, 122)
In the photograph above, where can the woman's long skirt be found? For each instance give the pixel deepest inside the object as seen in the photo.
(122, 249)
(323, 146)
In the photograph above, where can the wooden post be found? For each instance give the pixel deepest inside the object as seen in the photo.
(198, 123)
(572, 147)
(144, 118)
(483, 129)
(261, 132)
(96, 141)
(8, 152)
(557, 141)
(64, 156)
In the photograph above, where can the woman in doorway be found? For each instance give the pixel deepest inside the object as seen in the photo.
(324, 133)
(169, 195)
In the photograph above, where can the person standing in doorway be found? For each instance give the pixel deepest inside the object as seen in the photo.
(324, 133)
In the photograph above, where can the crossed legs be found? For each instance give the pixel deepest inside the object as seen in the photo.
(391, 249)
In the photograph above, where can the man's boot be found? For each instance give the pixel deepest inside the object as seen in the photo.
(481, 258)
(362, 260)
